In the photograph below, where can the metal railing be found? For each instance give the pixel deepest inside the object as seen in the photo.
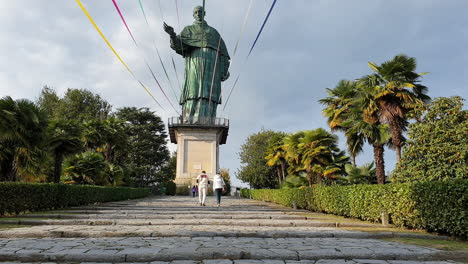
(198, 121)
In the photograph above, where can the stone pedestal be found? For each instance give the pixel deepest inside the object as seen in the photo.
(197, 149)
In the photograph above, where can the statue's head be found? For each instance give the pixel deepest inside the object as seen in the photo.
(198, 13)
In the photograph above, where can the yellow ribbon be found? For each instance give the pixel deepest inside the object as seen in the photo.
(114, 51)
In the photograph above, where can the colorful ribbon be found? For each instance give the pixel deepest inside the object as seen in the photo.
(263, 25)
(157, 52)
(115, 52)
(147, 65)
(243, 27)
(250, 51)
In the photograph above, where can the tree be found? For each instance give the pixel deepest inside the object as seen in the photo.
(317, 150)
(338, 105)
(254, 169)
(63, 139)
(276, 155)
(293, 152)
(22, 127)
(227, 179)
(146, 153)
(113, 137)
(360, 175)
(367, 126)
(293, 181)
(87, 168)
(76, 104)
(437, 145)
(397, 91)
(48, 102)
(169, 170)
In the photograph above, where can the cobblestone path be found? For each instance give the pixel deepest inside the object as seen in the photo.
(178, 230)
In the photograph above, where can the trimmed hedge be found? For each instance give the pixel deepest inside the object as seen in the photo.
(435, 206)
(21, 197)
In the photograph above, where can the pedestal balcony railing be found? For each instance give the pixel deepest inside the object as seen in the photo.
(198, 121)
(175, 123)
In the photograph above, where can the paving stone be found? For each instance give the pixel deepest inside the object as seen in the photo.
(217, 261)
(370, 261)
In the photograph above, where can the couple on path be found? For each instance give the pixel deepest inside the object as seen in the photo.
(218, 187)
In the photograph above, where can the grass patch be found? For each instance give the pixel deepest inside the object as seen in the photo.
(448, 245)
(4, 227)
(333, 218)
(387, 229)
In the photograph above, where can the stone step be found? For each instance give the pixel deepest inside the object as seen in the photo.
(215, 248)
(187, 222)
(194, 231)
(164, 216)
(206, 210)
(267, 261)
(179, 209)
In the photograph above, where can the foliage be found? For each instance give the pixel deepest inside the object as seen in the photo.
(339, 104)
(86, 168)
(22, 197)
(171, 188)
(435, 206)
(227, 180)
(316, 152)
(63, 139)
(276, 154)
(169, 169)
(76, 104)
(253, 168)
(114, 173)
(22, 127)
(183, 190)
(396, 91)
(437, 147)
(146, 153)
(294, 181)
(360, 174)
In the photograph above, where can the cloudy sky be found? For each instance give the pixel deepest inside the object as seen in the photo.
(307, 46)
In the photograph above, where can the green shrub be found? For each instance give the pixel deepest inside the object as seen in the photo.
(171, 188)
(22, 197)
(183, 190)
(435, 206)
(436, 149)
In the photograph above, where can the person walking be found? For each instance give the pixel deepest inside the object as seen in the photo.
(194, 190)
(203, 182)
(218, 187)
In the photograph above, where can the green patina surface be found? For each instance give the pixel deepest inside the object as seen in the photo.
(206, 66)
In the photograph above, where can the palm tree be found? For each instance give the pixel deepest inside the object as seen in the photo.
(276, 155)
(366, 125)
(396, 91)
(113, 135)
(360, 175)
(317, 148)
(22, 127)
(293, 153)
(63, 139)
(338, 106)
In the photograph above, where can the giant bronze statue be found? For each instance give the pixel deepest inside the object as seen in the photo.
(206, 66)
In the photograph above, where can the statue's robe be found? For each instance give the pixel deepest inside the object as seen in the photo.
(201, 94)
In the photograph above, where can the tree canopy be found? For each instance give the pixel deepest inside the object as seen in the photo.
(253, 168)
(437, 144)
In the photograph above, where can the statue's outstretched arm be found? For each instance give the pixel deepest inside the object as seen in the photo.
(176, 43)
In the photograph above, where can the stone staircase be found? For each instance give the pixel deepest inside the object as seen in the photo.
(178, 230)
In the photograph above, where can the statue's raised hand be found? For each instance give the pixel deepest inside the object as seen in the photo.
(169, 30)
